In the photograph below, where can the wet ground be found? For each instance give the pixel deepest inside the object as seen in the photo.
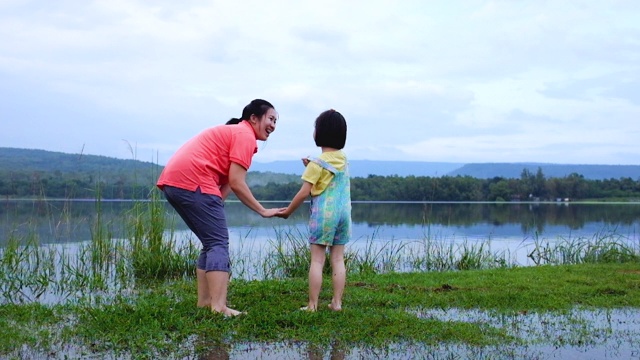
(577, 334)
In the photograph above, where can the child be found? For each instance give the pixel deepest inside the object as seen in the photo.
(326, 179)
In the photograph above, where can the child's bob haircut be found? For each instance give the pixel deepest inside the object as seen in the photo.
(331, 130)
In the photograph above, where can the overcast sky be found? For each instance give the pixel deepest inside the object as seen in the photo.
(447, 81)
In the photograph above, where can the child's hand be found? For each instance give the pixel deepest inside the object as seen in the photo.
(305, 161)
(283, 213)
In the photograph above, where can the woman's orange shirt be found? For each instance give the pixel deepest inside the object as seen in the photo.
(204, 161)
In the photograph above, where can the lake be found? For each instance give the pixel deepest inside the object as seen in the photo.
(514, 228)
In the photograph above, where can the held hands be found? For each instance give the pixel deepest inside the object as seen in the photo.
(268, 213)
(284, 213)
(287, 211)
(277, 212)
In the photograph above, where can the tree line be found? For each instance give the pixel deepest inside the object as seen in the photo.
(530, 186)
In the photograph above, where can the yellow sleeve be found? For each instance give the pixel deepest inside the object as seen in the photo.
(312, 173)
(318, 176)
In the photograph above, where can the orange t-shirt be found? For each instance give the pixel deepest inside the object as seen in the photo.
(204, 161)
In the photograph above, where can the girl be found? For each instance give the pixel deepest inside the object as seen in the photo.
(326, 179)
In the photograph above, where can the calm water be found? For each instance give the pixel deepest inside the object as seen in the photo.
(70, 221)
(512, 227)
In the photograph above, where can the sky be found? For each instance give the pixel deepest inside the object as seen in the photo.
(472, 81)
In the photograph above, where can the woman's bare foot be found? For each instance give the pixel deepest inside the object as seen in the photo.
(335, 307)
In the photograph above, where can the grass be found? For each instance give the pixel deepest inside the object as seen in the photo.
(31, 324)
(159, 320)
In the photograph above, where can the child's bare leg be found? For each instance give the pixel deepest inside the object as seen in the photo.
(338, 278)
(204, 296)
(218, 281)
(315, 275)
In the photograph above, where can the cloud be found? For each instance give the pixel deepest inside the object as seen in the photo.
(528, 138)
(439, 81)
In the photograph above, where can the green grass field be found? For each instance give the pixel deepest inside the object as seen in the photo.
(379, 310)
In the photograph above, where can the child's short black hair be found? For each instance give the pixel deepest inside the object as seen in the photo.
(331, 130)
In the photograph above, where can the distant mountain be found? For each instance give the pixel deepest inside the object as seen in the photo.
(33, 160)
(364, 168)
(30, 160)
(514, 170)
(13, 160)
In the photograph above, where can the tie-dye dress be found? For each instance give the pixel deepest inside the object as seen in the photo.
(330, 220)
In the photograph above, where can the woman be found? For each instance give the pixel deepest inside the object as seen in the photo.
(197, 180)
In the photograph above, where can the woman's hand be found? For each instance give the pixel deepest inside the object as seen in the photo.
(268, 213)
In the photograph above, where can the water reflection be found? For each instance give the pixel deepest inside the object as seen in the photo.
(216, 352)
(72, 221)
(600, 333)
(612, 348)
(336, 352)
(578, 334)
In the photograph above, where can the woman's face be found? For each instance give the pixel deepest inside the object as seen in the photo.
(265, 125)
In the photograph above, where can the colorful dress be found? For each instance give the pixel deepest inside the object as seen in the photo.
(330, 220)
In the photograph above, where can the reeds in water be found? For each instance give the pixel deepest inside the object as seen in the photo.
(606, 246)
(106, 264)
(25, 270)
(155, 254)
(109, 265)
(376, 257)
(289, 255)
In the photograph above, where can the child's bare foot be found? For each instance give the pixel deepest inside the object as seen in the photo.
(204, 302)
(228, 312)
(335, 307)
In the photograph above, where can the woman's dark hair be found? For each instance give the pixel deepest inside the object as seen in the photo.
(257, 107)
(331, 130)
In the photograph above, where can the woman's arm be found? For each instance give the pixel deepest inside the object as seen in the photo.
(238, 184)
